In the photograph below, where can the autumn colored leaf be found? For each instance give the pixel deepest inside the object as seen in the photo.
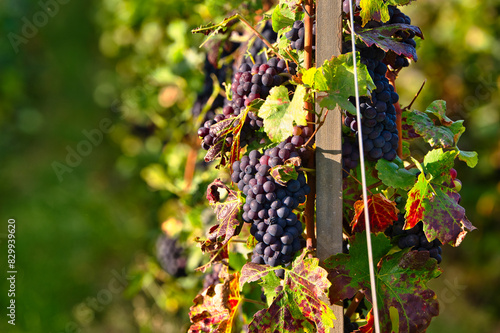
(214, 309)
(436, 207)
(401, 283)
(383, 38)
(381, 211)
(227, 212)
(288, 171)
(300, 305)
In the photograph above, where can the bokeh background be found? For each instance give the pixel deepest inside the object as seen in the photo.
(86, 234)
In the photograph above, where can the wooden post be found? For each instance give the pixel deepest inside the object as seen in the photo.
(329, 148)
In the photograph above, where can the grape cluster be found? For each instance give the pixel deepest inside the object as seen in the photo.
(249, 83)
(258, 45)
(349, 326)
(269, 206)
(212, 278)
(350, 154)
(208, 87)
(378, 114)
(170, 256)
(414, 238)
(296, 36)
(397, 17)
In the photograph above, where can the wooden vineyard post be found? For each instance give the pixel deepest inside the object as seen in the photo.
(329, 148)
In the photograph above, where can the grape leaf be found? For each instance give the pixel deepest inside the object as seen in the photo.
(301, 304)
(381, 211)
(336, 79)
(436, 207)
(469, 157)
(436, 136)
(351, 193)
(438, 164)
(400, 279)
(279, 114)
(383, 38)
(283, 173)
(434, 126)
(378, 10)
(282, 17)
(227, 214)
(214, 309)
(252, 272)
(394, 174)
(438, 108)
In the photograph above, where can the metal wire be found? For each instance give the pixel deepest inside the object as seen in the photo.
(363, 178)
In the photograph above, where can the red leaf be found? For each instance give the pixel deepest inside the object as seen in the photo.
(382, 213)
(227, 213)
(301, 305)
(383, 38)
(214, 309)
(368, 327)
(436, 206)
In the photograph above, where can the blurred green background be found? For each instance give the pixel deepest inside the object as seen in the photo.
(86, 234)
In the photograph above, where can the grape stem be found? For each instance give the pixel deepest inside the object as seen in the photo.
(358, 298)
(310, 118)
(391, 76)
(253, 301)
(316, 130)
(359, 182)
(414, 98)
(269, 45)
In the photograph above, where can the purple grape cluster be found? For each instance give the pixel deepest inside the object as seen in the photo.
(378, 114)
(296, 36)
(170, 256)
(397, 17)
(257, 47)
(414, 238)
(269, 206)
(249, 83)
(350, 154)
(212, 278)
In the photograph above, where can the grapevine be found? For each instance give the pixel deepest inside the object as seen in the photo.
(262, 135)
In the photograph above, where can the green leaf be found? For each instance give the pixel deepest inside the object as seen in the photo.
(401, 280)
(436, 136)
(301, 304)
(280, 115)
(394, 174)
(436, 206)
(469, 157)
(438, 163)
(282, 17)
(335, 81)
(438, 108)
(378, 10)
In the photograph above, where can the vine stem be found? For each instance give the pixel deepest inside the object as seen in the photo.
(311, 139)
(391, 76)
(311, 179)
(358, 181)
(269, 45)
(415, 97)
(355, 303)
(253, 301)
